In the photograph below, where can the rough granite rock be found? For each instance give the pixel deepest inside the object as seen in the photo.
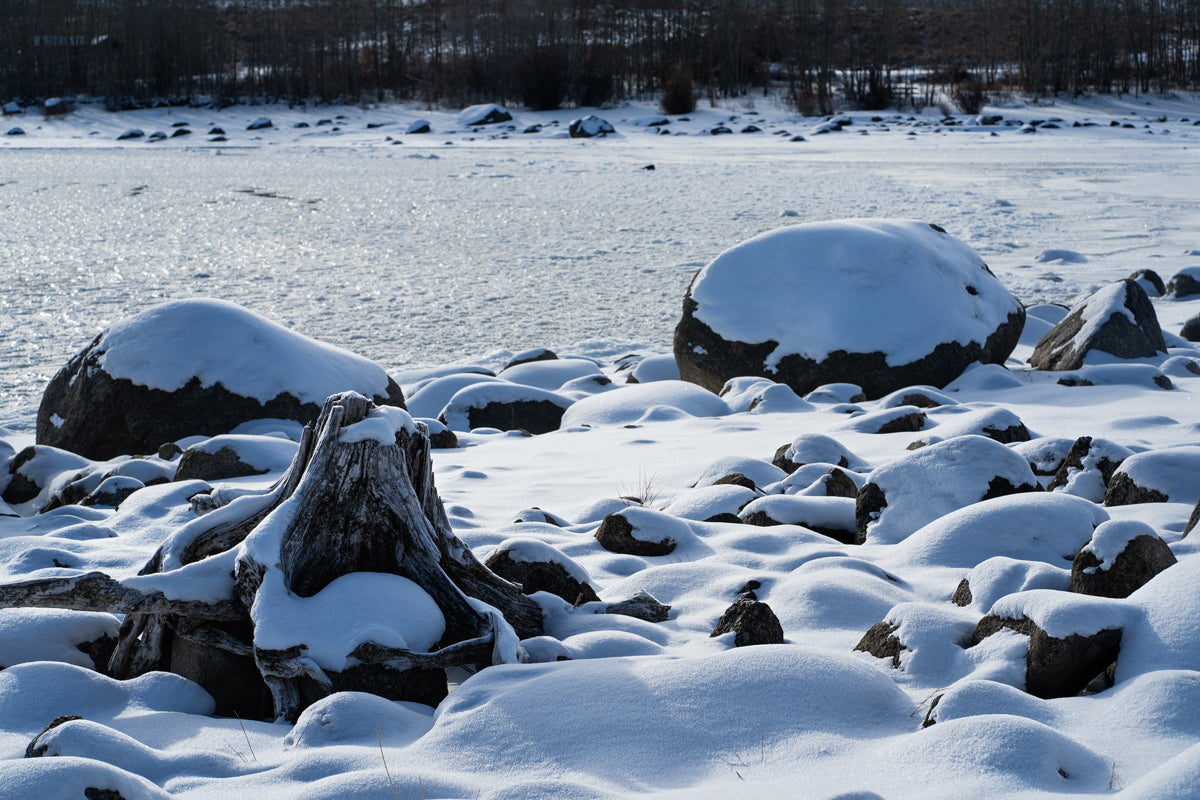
(616, 536)
(1118, 320)
(880, 641)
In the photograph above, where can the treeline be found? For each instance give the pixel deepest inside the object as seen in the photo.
(547, 53)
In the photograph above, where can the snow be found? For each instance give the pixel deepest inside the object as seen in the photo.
(445, 266)
(1111, 538)
(382, 425)
(219, 342)
(855, 285)
(355, 608)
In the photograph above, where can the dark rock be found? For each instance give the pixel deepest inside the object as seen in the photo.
(880, 641)
(1056, 667)
(616, 536)
(132, 133)
(908, 422)
(1123, 491)
(529, 356)
(36, 750)
(812, 448)
(1143, 556)
(262, 123)
(589, 126)
(216, 132)
(541, 576)
(839, 484)
(727, 517)
(233, 680)
(1150, 278)
(1184, 284)
(641, 606)
(488, 114)
(534, 416)
(112, 492)
(440, 437)
(751, 622)
(962, 594)
(99, 650)
(100, 416)
(735, 479)
(1191, 329)
(1068, 343)
(749, 587)
(1106, 458)
(707, 358)
(198, 464)
(35, 467)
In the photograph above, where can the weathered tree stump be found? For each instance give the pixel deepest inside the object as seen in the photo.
(358, 498)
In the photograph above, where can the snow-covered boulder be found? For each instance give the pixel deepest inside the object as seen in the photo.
(18, 131)
(1184, 283)
(1072, 638)
(1156, 476)
(645, 402)
(1117, 320)
(537, 567)
(484, 114)
(641, 531)
(811, 448)
(1121, 558)
(913, 490)
(260, 124)
(1150, 281)
(1088, 467)
(590, 126)
(883, 304)
(132, 133)
(418, 126)
(194, 367)
(234, 456)
(831, 516)
(505, 406)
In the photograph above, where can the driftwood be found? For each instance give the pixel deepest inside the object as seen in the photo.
(351, 502)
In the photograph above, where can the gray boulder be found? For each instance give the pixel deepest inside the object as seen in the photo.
(1056, 666)
(751, 622)
(1118, 320)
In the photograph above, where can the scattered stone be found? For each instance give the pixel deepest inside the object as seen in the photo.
(880, 641)
(418, 126)
(1191, 329)
(538, 567)
(830, 516)
(201, 463)
(1122, 556)
(641, 606)
(811, 448)
(505, 406)
(132, 133)
(896, 500)
(1088, 468)
(484, 114)
(37, 750)
(1156, 476)
(639, 531)
(751, 622)
(589, 127)
(902, 419)
(1185, 283)
(112, 492)
(1056, 667)
(529, 356)
(763, 308)
(260, 124)
(1118, 320)
(15, 132)
(1150, 281)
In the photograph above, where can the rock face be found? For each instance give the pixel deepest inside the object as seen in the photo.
(1121, 558)
(751, 622)
(1118, 320)
(846, 301)
(194, 367)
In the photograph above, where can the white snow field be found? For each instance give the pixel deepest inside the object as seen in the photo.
(454, 250)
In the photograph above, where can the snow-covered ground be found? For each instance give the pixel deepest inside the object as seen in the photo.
(425, 252)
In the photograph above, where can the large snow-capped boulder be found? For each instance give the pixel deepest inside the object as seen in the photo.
(589, 126)
(1118, 320)
(880, 303)
(194, 367)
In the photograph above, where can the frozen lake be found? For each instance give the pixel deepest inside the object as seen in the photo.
(414, 256)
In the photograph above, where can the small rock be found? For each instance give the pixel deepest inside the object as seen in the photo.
(752, 622)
